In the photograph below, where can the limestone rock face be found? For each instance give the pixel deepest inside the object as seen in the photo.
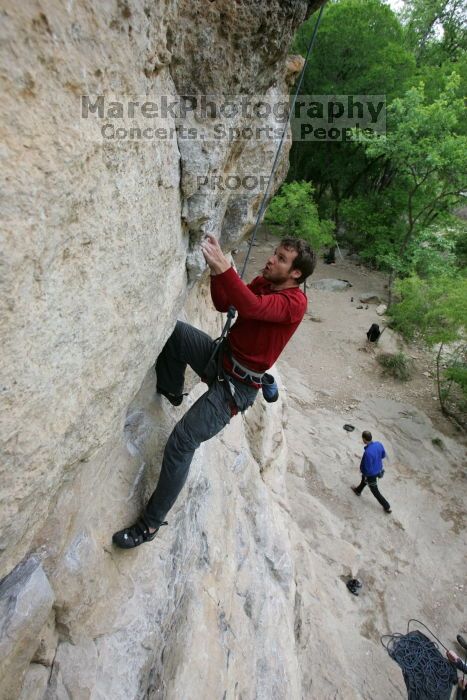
(100, 255)
(231, 49)
(92, 237)
(96, 232)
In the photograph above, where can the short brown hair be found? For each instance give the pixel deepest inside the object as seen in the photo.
(367, 436)
(305, 260)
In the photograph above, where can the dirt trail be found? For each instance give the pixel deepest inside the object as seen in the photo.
(412, 563)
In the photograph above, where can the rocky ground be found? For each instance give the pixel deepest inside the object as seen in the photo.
(411, 563)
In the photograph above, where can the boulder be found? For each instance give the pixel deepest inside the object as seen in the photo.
(26, 600)
(370, 298)
(331, 285)
(381, 309)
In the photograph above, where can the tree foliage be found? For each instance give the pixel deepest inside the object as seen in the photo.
(435, 310)
(394, 198)
(427, 161)
(293, 212)
(436, 29)
(360, 50)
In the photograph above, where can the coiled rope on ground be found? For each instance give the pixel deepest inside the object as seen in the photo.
(428, 675)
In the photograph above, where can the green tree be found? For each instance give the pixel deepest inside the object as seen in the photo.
(292, 212)
(435, 309)
(436, 248)
(436, 29)
(360, 50)
(436, 32)
(427, 159)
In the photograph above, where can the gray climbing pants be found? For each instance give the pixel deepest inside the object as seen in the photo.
(206, 417)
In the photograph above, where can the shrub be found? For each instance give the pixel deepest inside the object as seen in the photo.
(293, 212)
(396, 365)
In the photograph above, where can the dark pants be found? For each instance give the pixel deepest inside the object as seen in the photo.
(208, 415)
(372, 482)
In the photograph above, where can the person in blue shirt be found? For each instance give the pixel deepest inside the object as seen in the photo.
(371, 468)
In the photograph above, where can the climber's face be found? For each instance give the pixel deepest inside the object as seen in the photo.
(278, 269)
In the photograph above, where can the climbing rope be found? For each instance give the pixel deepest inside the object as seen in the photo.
(428, 675)
(231, 312)
(284, 132)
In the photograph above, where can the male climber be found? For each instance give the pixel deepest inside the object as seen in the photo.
(269, 310)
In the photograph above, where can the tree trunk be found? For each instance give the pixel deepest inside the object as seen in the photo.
(438, 379)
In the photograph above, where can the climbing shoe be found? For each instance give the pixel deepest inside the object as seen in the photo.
(355, 490)
(135, 535)
(388, 511)
(175, 399)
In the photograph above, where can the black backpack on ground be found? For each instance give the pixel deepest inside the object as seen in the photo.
(373, 333)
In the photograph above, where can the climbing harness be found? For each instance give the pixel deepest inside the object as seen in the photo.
(220, 344)
(428, 675)
(243, 373)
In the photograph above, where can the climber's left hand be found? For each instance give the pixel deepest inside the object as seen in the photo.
(213, 255)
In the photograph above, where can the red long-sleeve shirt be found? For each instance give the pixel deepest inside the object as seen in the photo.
(266, 318)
